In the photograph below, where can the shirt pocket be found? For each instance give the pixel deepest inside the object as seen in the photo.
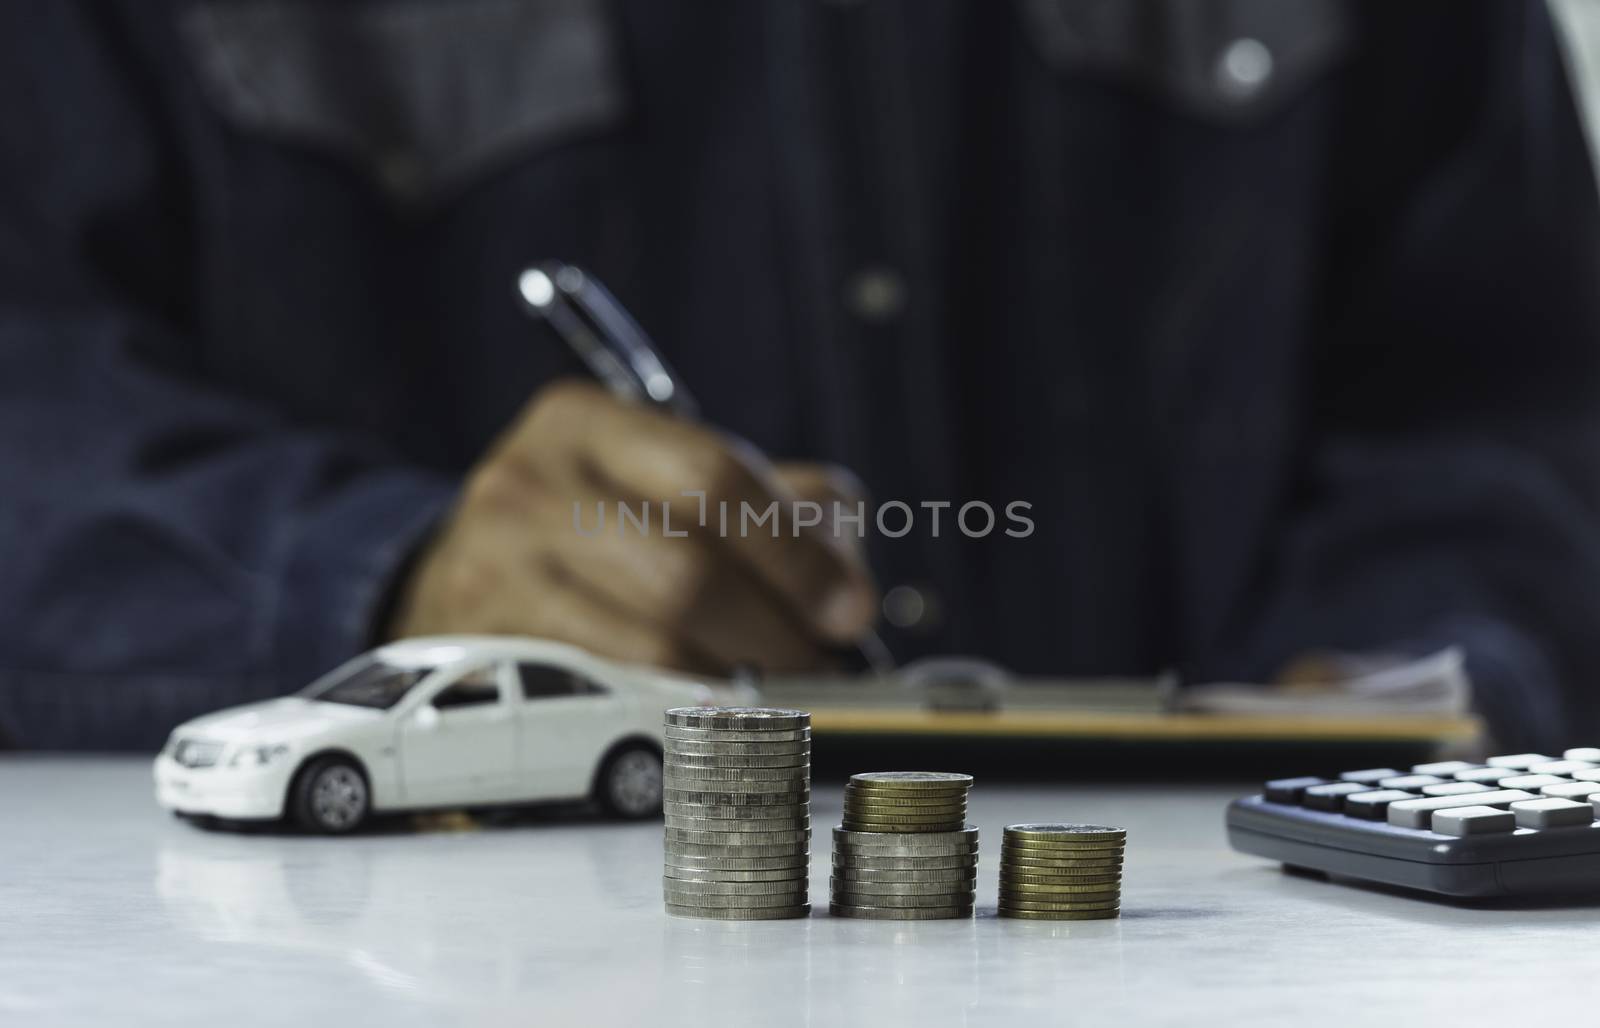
(423, 96)
(1228, 61)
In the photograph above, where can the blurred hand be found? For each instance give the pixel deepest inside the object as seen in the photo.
(511, 559)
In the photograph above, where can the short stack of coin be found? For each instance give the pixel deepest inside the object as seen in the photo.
(738, 813)
(904, 851)
(1061, 872)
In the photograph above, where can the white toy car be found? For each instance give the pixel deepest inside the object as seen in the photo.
(438, 722)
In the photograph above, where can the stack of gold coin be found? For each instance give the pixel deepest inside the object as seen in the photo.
(905, 851)
(738, 813)
(1061, 872)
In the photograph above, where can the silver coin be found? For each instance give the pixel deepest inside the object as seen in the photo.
(784, 759)
(741, 913)
(736, 799)
(680, 776)
(958, 897)
(904, 863)
(735, 749)
(874, 913)
(701, 874)
(739, 862)
(702, 887)
(788, 823)
(736, 813)
(926, 875)
(747, 719)
(936, 888)
(737, 840)
(708, 851)
(683, 898)
(910, 844)
(718, 735)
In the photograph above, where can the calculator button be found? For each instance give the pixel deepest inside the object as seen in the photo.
(1373, 805)
(1444, 768)
(1552, 812)
(1589, 753)
(1331, 796)
(1411, 781)
(1572, 790)
(1459, 788)
(1519, 761)
(1562, 767)
(1532, 783)
(1370, 777)
(1288, 790)
(1418, 813)
(1487, 774)
(1473, 821)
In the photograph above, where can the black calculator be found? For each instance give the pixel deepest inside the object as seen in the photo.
(1521, 824)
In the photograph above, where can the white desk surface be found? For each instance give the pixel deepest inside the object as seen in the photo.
(113, 913)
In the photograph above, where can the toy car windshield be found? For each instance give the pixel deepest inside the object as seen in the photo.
(372, 682)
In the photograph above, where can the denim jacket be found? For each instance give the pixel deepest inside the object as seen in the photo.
(1282, 317)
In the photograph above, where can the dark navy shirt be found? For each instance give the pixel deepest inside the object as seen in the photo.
(1283, 317)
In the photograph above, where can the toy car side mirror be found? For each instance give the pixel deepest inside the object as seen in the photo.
(427, 717)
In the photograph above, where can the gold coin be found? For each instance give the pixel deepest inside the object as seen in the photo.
(958, 815)
(1064, 891)
(1009, 875)
(914, 813)
(1064, 832)
(1028, 904)
(911, 781)
(888, 798)
(1058, 915)
(1057, 863)
(1062, 849)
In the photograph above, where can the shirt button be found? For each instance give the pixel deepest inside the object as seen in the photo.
(876, 294)
(910, 607)
(1243, 69)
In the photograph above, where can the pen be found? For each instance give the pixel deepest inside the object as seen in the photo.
(616, 350)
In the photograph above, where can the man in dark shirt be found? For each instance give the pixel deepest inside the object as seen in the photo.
(1281, 317)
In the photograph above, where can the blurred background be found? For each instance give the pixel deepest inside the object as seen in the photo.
(1211, 377)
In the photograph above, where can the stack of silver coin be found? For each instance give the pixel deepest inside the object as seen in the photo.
(904, 851)
(738, 812)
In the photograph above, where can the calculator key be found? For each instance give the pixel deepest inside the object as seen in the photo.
(1552, 812)
(1370, 777)
(1411, 781)
(1458, 788)
(1444, 768)
(1331, 796)
(1489, 775)
(1589, 753)
(1288, 790)
(1562, 767)
(1473, 821)
(1374, 805)
(1572, 790)
(1532, 783)
(1520, 761)
(1418, 813)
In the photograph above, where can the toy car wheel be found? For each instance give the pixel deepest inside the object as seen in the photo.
(630, 783)
(331, 796)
